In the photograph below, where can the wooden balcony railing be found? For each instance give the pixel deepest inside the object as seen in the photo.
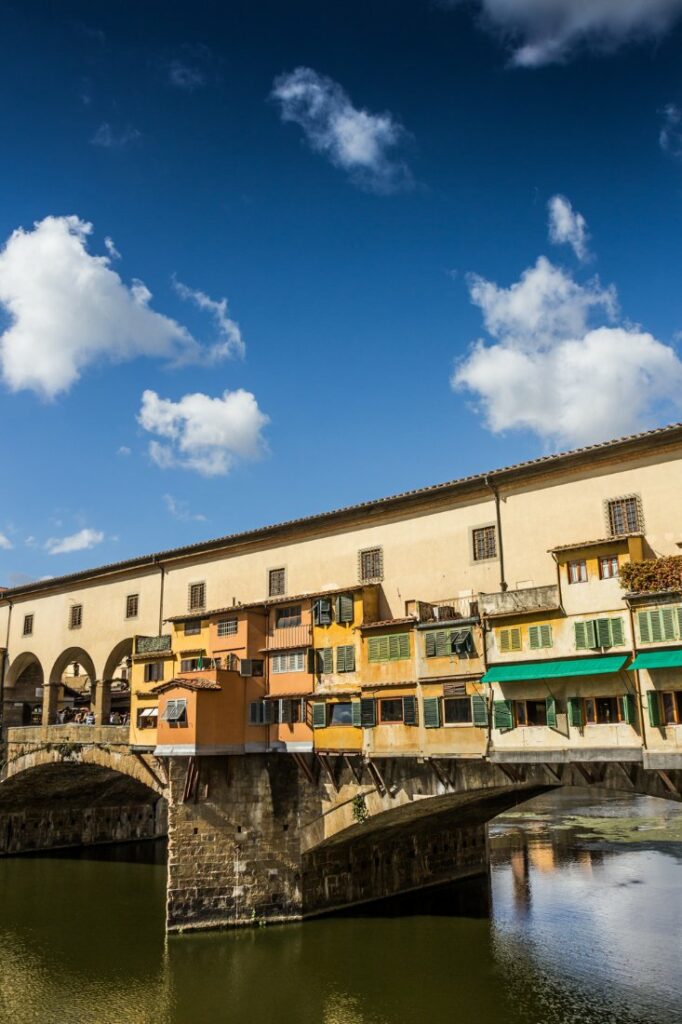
(289, 636)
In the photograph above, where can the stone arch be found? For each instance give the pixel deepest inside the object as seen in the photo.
(109, 687)
(71, 654)
(23, 689)
(123, 649)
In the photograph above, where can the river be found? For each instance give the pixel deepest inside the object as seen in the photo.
(579, 923)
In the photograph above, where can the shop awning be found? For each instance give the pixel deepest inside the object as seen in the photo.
(554, 669)
(149, 713)
(672, 658)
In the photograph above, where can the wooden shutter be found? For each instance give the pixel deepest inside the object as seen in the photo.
(322, 611)
(319, 715)
(356, 715)
(546, 635)
(268, 712)
(534, 637)
(668, 623)
(656, 626)
(255, 712)
(373, 648)
(443, 642)
(654, 708)
(575, 711)
(679, 620)
(368, 714)
(349, 656)
(644, 623)
(341, 659)
(503, 714)
(603, 632)
(550, 704)
(628, 708)
(430, 644)
(585, 636)
(410, 710)
(344, 608)
(431, 706)
(285, 715)
(617, 632)
(479, 711)
(327, 659)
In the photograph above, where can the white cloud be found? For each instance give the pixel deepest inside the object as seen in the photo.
(124, 451)
(80, 541)
(233, 343)
(115, 138)
(184, 76)
(180, 510)
(670, 135)
(361, 143)
(202, 433)
(69, 309)
(567, 226)
(549, 31)
(111, 249)
(5, 543)
(553, 371)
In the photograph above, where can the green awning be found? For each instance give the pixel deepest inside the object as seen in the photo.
(554, 669)
(672, 658)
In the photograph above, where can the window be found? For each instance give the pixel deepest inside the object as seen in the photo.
(457, 711)
(344, 608)
(75, 616)
(175, 713)
(227, 627)
(577, 571)
(285, 618)
(325, 660)
(147, 718)
(153, 671)
(624, 515)
(608, 567)
(531, 712)
(484, 543)
(601, 710)
(288, 661)
(322, 611)
(391, 710)
(197, 597)
(446, 642)
(392, 647)
(28, 625)
(345, 658)
(257, 712)
(509, 639)
(659, 624)
(132, 602)
(251, 667)
(539, 636)
(371, 565)
(192, 628)
(341, 713)
(671, 704)
(276, 582)
(599, 633)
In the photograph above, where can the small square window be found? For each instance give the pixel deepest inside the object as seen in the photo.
(391, 710)
(577, 571)
(276, 582)
(371, 565)
(484, 543)
(341, 713)
(76, 616)
(132, 602)
(197, 596)
(608, 567)
(193, 628)
(457, 711)
(28, 625)
(153, 671)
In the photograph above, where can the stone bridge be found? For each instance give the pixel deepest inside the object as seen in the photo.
(276, 837)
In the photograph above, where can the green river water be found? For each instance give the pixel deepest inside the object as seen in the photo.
(579, 923)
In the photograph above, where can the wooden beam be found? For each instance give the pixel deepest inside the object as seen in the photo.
(553, 772)
(305, 768)
(626, 772)
(322, 759)
(586, 774)
(356, 773)
(377, 777)
(442, 777)
(667, 782)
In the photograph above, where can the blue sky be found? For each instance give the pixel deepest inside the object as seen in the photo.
(341, 211)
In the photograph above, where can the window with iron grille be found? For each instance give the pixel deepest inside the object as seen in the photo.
(28, 625)
(227, 627)
(153, 671)
(371, 565)
(76, 616)
(289, 616)
(197, 596)
(624, 515)
(276, 582)
(132, 602)
(484, 543)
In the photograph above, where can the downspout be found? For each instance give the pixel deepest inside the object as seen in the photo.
(163, 577)
(5, 659)
(638, 684)
(489, 701)
(498, 520)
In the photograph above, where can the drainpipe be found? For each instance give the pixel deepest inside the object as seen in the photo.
(638, 684)
(5, 659)
(558, 582)
(163, 576)
(489, 701)
(498, 520)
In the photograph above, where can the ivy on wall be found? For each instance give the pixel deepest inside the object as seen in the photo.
(652, 575)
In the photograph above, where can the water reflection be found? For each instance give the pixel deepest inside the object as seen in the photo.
(584, 926)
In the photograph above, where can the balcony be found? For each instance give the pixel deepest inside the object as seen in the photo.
(444, 611)
(529, 600)
(152, 644)
(653, 575)
(289, 636)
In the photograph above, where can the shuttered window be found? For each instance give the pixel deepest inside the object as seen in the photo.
(654, 708)
(503, 714)
(153, 671)
(325, 660)
(344, 608)
(431, 708)
(196, 597)
(391, 647)
(287, 661)
(439, 643)
(599, 633)
(628, 713)
(76, 616)
(175, 713)
(345, 658)
(322, 611)
(368, 715)
(509, 639)
(319, 715)
(550, 712)
(371, 567)
(575, 712)
(659, 624)
(539, 636)
(256, 712)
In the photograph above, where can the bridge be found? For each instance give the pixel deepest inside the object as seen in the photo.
(277, 837)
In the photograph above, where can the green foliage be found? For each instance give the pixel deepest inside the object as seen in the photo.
(652, 575)
(360, 812)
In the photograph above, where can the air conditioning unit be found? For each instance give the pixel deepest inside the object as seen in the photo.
(246, 667)
(444, 612)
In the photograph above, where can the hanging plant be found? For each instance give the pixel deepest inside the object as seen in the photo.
(652, 575)
(360, 812)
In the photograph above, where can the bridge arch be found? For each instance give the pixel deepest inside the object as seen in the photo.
(24, 685)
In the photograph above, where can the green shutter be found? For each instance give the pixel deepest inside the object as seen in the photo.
(617, 632)
(431, 707)
(503, 714)
(344, 608)
(679, 621)
(585, 637)
(644, 624)
(442, 638)
(534, 637)
(410, 710)
(285, 713)
(628, 708)
(656, 626)
(654, 708)
(373, 652)
(319, 715)
(350, 658)
(356, 713)
(403, 645)
(327, 659)
(341, 659)
(268, 712)
(550, 704)
(668, 622)
(430, 644)
(603, 632)
(479, 711)
(504, 641)
(368, 715)
(575, 711)
(546, 635)
(322, 611)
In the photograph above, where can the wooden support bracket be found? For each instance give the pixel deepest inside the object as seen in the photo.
(355, 771)
(554, 773)
(442, 777)
(377, 777)
(305, 768)
(626, 772)
(191, 781)
(585, 772)
(323, 760)
(667, 782)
